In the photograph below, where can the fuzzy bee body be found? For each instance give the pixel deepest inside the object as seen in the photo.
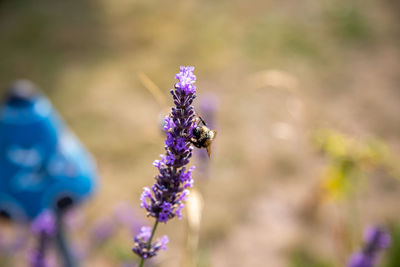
(203, 137)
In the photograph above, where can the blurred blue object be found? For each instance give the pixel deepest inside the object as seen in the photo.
(42, 164)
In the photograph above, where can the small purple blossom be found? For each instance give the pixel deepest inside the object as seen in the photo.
(44, 223)
(186, 80)
(179, 211)
(145, 233)
(141, 246)
(102, 230)
(360, 260)
(165, 199)
(375, 240)
(163, 242)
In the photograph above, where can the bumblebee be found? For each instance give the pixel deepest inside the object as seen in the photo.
(203, 136)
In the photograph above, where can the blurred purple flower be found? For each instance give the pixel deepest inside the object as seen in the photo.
(49, 261)
(44, 223)
(208, 108)
(375, 240)
(44, 228)
(102, 230)
(165, 199)
(74, 219)
(127, 215)
(36, 259)
(360, 260)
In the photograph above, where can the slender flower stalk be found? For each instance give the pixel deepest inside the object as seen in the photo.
(44, 228)
(376, 239)
(164, 200)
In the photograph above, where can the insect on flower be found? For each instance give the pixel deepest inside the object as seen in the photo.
(203, 136)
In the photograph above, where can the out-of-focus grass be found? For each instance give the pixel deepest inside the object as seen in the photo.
(349, 22)
(392, 255)
(303, 258)
(42, 37)
(269, 36)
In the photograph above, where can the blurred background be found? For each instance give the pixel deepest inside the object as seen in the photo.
(305, 97)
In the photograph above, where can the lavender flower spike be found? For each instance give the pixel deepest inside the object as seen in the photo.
(165, 199)
(375, 240)
(44, 228)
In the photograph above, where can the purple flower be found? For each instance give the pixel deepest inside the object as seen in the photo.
(163, 242)
(375, 240)
(186, 79)
(44, 228)
(102, 230)
(208, 109)
(127, 216)
(44, 223)
(145, 233)
(165, 199)
(360, 260)
(36, 259)
(141, 248)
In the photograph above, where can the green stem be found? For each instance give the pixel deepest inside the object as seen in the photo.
(62, 242)
(149, 243)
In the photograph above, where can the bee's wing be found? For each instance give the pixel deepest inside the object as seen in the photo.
(209, 145)
(209, 150)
